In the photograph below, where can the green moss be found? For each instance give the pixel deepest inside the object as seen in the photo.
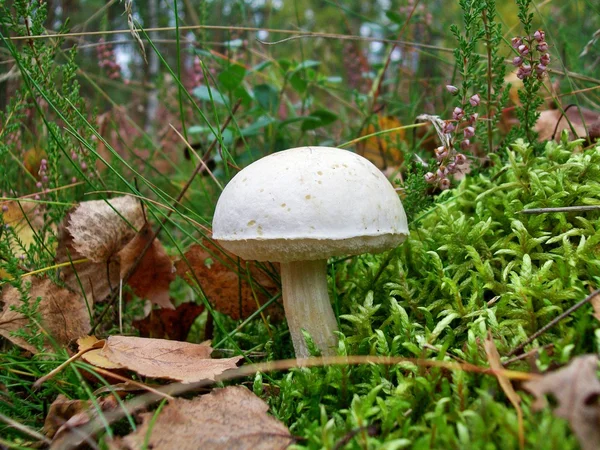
(473, 263)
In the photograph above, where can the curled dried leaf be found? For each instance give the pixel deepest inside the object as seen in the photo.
(154, 273)
(100, 228)
(219, 274)
(94, 281)
(65, 414)
(64, 315)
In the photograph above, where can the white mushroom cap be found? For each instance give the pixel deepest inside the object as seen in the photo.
(309, 203)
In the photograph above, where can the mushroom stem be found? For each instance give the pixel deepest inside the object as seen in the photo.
(307, 306)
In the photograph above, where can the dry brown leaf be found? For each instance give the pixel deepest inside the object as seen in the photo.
(95, 357)
(65, 414)
(383, 150)
(92, 280)
(26, 220)
(160, 358)
(577, 390)
(495, 363)
(549, 119)
(171, 324)
(232, 418)
(226, 291)
(99, 232)
(153, 276)
(64, 314)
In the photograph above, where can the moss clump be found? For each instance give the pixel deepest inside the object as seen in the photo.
(473, 263)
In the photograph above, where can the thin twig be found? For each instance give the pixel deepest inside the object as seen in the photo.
(553, 322)
(199, 169)
(22, 428)
(527, 354)
(559, 209)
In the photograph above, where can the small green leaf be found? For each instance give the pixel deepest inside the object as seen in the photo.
(232, 77)
(318, 118)
(267, 97)
(203, 94)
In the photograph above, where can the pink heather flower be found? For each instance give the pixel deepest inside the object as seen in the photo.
(539, 35)
(452, 89)
(469, 132)
(83, 166)
(441, 153)
(523, 49)
(452, 167)
(45, 179)
(542, 47)
(73, 180)
(516, 42)
(517, 61)
(540, 69)
(473, 118)
(475, 100)
(4, 208)
(524, 71)
(465, 144)
(37, 196)
(458, 113)
(430, 177)
(38, 185)
(448, 127)
(460, 159)
(43, 162)
(441, 172)
(444, 184)
(545, 59)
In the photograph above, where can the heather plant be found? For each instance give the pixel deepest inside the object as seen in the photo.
(479, 78)
(532, 60)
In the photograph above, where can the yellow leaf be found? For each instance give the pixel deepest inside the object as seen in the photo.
(383, 150)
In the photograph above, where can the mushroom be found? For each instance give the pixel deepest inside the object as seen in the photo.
(299, 207)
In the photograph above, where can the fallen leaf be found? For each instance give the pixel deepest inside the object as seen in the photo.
(232, 418)
(160, 358)
(383, 150)
(577, 391)
(64, 314)
(153, 276)
(229, 293)
(95, 357)
(32, 160)
(65, 414)
(99, 230)
(549, 120)
(171, 324)
(94, 281)
(26, 220)
(495, 363)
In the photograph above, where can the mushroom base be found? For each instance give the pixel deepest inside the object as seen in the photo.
(307, 306)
